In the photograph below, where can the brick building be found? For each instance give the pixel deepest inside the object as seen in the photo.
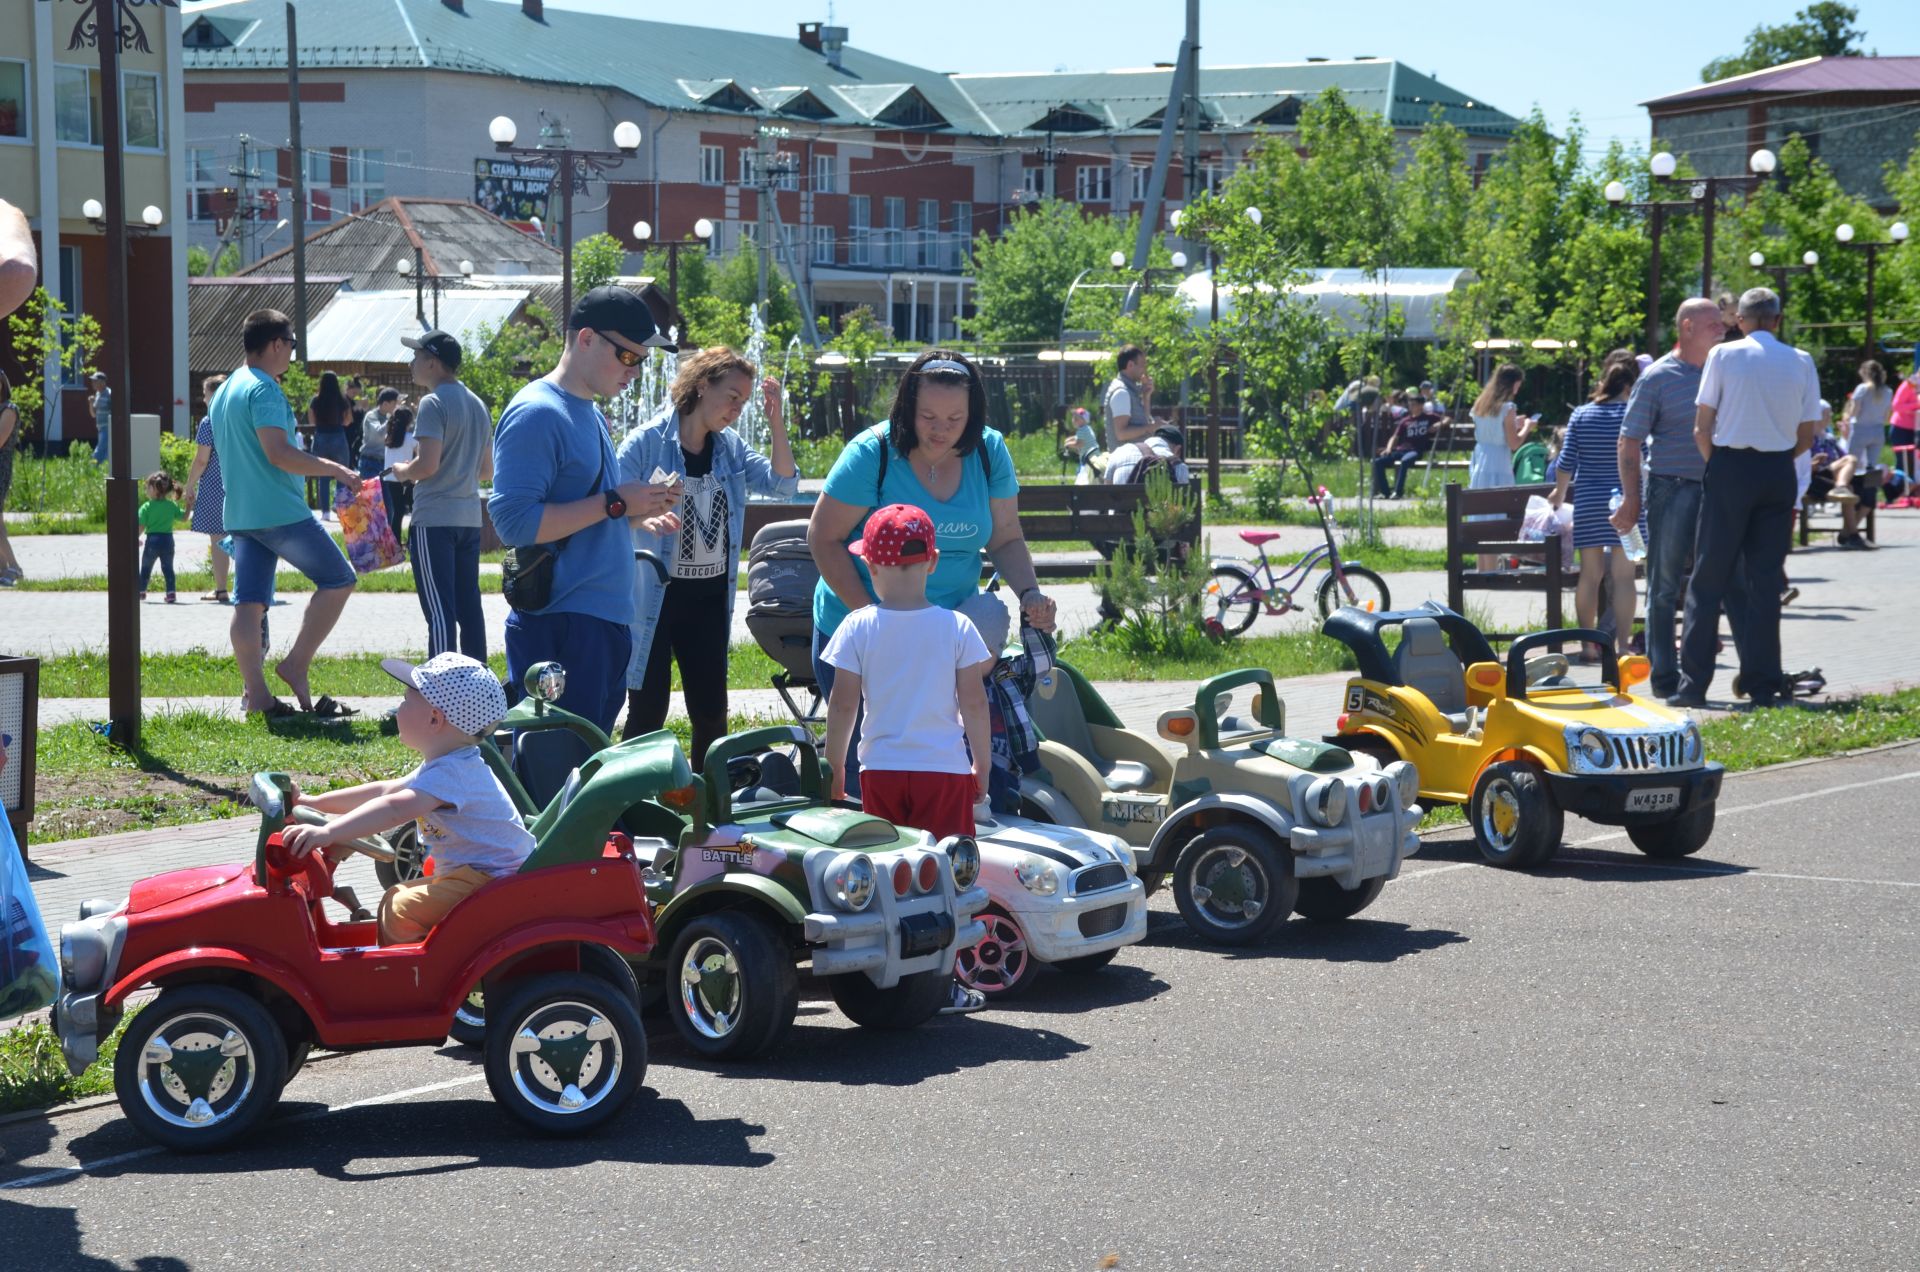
(1857, 114)
(882, 172)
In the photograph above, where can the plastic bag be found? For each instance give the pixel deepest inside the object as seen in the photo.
(1542, 519)
(29, 976)
(363, 525)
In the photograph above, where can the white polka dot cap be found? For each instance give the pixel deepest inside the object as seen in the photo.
(462, 690)
(898, 534)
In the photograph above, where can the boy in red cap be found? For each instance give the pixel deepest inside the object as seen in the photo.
(920, 670)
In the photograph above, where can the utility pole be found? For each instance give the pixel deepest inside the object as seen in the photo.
(1047, 156)
(299, 217)
(1190, 115)
(244, 212)
(763, 182)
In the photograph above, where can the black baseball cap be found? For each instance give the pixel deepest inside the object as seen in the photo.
(1171, 435)
(439, 344)
(619, 311)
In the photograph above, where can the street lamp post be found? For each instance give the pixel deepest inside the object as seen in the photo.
(1703, 196)
(573, 169)
(1147, 275)
(1779, 273)
(1896, 235)
(702, 237)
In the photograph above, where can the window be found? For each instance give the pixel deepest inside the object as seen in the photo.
(140, 103)
(1211, 175)
(860, 221)
(929, 234)
(962, 234)
(71, 368)
(822, 172)
(1138, 174)
(76, 105)
(713, 165)
(319, 168)
(822, 236)
(749, 167)
(786, 171)
(205, 175)
(14, 101)
(1093, 183)
(1033, 182)
(366, 178)
(896, 231)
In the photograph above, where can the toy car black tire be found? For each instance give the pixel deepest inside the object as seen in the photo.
(1323, 900)
(1539, 823)
(908, 1005)
(1087, 963)
(523, 1081)
(249, 1037)
(469, 1027)
(1275, 887)
(994, 979)
(768, 986)
(1680, 836)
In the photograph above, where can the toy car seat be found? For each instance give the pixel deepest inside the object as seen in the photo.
(1063, 727)
(1426, 664)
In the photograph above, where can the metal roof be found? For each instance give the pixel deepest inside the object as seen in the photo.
(705, 68)
(1810, 75)
(365, 327)
(1351, 299)
(366, 247)
(217, 309)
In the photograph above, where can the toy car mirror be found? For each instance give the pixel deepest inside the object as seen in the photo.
(1634, 669)
(546, 681)
(1180, 726)
(1489, 678)
(266, 794)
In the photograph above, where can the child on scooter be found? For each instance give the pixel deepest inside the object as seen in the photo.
(468, 825)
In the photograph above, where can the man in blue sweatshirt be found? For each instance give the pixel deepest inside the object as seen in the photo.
(555, 482)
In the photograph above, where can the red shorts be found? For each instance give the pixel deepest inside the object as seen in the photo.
(939, 803)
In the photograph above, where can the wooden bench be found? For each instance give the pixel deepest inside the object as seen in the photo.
(1048, 514)
(1809, 505)
(1504, 507)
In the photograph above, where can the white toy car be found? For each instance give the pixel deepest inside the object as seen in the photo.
(1056, 895)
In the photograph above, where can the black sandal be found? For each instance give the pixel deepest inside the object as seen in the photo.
(327, 709)
(276, 710)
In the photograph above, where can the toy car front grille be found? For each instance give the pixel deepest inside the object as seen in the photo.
(1110, 918)
(1095, 878)
(1649, 751)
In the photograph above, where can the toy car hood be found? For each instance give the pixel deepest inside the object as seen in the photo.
(1598, 707)
(1068, 845)
(177, 885)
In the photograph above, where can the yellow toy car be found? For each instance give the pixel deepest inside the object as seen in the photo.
(1523, 743)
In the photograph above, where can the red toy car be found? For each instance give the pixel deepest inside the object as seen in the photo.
(252, 973)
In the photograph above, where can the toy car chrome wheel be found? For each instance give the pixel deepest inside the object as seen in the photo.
(1233, 885)
(199, 1067)
(469, 1026)
(1323, 900)
(732, 991)
(999, 964)
(570, 1054)
(1515, 821)
(409, 860)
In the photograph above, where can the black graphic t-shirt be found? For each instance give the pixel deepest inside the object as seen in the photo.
(703, 563)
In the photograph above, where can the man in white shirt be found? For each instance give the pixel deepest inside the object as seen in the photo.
(1758, 407)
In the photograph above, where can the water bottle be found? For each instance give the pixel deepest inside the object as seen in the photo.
(1631, 539)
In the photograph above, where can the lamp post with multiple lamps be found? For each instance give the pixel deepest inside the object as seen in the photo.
(572, 169)
(1896, 235)
(702, 238)
(1779, 273)
(416, 269)
(1178, 269)
(1703, 196)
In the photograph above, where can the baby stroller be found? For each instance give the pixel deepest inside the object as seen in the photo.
(780, 582)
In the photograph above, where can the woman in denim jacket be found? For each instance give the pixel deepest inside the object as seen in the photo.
(689, 618)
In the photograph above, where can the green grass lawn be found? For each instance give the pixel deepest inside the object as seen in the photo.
(33, 1073)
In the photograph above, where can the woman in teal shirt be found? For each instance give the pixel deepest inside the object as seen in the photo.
(936, 452)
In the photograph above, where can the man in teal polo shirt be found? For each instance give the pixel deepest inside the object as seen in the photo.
(266, 513)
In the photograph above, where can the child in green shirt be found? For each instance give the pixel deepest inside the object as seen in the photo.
(158, 515)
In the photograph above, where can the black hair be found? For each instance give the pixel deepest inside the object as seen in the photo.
(1128, 354)
(329, 404)
(263, 327)
(901, 433)
(397, 426)
(388, 395)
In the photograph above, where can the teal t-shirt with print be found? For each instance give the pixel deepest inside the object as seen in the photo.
(962, 524)
(259, 496)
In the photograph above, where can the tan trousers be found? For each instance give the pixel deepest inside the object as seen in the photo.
(409, 910)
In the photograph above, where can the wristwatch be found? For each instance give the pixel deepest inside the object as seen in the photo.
(616, 506)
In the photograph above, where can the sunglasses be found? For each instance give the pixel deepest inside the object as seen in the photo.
(628, 357)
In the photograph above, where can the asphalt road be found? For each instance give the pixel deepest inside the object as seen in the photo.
(1609, 1063)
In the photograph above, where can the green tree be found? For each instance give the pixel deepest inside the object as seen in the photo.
(1432, 198)
(1824, 29)
(502, 357)
(202, 264)
(43, 335)
(1326, 189)
(716, 295)
(1023, 274)
(597, 259)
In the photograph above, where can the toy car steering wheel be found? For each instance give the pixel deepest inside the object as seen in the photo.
(372, 845)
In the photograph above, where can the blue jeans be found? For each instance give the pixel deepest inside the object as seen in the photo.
(328, 446)
(1405, 460)
(446, 576)
(301, 544)
(159, 547)
(595, 652)
(823, 676)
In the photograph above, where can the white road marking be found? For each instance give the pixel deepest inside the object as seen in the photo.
(153, 1150)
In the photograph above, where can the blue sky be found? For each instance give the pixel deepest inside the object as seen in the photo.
(1599, 61)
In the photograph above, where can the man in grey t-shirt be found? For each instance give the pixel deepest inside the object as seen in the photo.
(1127, 402)
(455, 434)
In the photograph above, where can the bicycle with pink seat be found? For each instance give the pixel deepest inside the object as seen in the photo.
(1242, 587)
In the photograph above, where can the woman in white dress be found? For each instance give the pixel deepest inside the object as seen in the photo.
(1498, 428)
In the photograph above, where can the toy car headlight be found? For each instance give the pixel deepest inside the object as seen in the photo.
(1036, 876)
(1327, 801)
(1407, 778)
(1693, 744)
(1593, 748)
(965, 855)
(849, 880)
(83, 954)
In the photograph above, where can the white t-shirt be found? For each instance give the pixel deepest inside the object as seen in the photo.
(403, 453)
(479, 825)
(908, 661)
(1761, 391)
(703, 543)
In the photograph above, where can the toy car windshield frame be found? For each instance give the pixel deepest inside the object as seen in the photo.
(1361, 631)
(1518, 651)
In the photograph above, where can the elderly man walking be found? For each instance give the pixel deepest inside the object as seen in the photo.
(1661, 409)
(1758, 407)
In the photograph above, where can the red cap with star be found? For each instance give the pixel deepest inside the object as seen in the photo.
(898, 534)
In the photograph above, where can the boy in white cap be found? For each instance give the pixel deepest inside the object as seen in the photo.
(468, 825)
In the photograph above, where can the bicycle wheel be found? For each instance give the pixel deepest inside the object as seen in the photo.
(1365, 590)
(1232, 598)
